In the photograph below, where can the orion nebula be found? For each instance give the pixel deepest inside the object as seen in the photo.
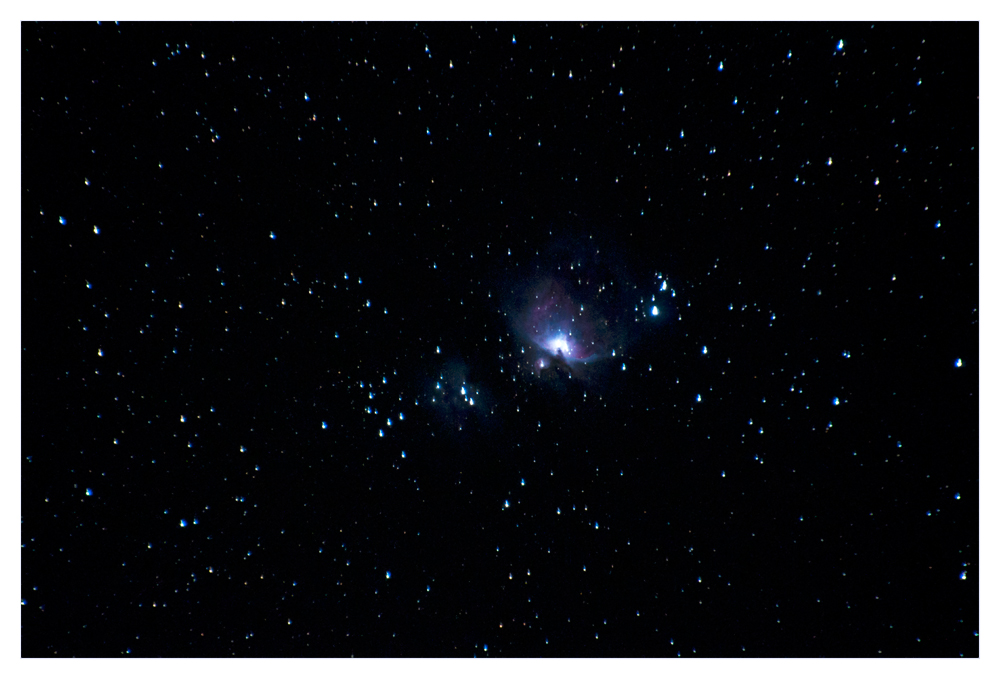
(573, 311)
(565, 321)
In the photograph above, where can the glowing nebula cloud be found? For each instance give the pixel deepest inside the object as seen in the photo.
(571, 303)
(564, 322)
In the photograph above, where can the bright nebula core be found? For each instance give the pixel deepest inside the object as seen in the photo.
(558, 345)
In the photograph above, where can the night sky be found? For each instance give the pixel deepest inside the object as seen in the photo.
(501, 340)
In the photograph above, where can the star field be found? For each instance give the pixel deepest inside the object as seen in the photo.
(500, 339)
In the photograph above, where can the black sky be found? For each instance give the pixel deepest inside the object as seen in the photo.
(278, 399)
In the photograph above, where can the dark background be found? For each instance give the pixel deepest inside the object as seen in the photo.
(246, 247)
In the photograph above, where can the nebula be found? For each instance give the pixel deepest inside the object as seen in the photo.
(564, 324)
(572, 309)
